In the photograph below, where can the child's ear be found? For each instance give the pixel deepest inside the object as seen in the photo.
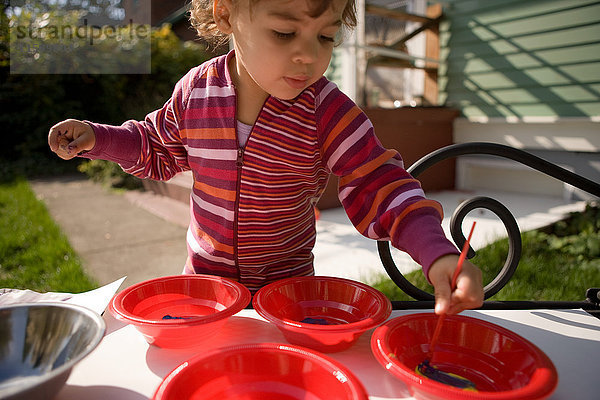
(222, 11)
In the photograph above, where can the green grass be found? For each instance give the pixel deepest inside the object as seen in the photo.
(34, 253)
(557, 264)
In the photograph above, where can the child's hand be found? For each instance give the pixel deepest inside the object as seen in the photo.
(71, 137)
(469, 288)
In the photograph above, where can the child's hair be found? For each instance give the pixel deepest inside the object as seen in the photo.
(201, 17)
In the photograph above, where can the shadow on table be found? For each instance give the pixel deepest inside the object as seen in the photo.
(565, 321)
(114, 326)
(378, 382)
(238, 330)
(99, 392)
(569, 353)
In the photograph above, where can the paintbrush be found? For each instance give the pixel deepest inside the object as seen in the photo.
(425, 368)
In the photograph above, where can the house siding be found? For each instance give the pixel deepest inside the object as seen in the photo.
(525, 74)
(519, 59)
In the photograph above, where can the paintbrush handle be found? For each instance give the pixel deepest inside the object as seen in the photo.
(461, 258)
(436, 335)
(440, 321)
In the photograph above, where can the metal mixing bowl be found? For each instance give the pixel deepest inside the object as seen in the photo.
(40, 343)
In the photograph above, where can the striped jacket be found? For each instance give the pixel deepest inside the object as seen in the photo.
(252, 215)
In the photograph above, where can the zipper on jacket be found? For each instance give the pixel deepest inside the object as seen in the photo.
(240, 157)
(239, 162)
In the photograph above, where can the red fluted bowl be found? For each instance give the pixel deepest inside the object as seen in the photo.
(261, 371)
(501, 364)
(180, 311)
(323, 313)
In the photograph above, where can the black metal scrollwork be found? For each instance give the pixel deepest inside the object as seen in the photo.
(512, 229)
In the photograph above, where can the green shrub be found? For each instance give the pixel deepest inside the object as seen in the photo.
(31, 104)
(110, 174)
(578, 235)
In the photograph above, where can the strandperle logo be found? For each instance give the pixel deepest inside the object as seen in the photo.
(84, 31)
(46, 38)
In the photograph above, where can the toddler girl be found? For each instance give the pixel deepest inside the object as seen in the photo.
(262, 129)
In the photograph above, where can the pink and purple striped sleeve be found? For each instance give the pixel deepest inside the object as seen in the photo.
(383, 201)
(152, 148)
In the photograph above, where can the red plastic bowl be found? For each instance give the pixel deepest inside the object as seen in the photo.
(200, 305)
(261, 371)
(502, 364)
(347, 307)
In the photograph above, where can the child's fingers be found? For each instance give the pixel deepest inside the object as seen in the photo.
(59, 133)
(68, 129)
(69, 137)
(64, 149)
(54, 137)
(60, 145)
(63, 144)
(82, 143)
(461, 301)
(469, 291)
(442, 298)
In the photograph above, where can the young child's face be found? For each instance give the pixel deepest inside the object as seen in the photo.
(281, 47)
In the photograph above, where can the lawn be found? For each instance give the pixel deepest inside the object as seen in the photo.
(34, 253)
(557, 263)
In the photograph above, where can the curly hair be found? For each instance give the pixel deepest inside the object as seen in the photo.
(201, 17)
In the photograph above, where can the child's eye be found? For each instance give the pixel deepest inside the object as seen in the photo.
(327, 38)
(283, 35)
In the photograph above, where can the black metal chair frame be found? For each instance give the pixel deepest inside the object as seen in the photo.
(424, 299)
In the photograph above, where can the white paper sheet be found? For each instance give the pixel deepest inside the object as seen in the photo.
(96, 300)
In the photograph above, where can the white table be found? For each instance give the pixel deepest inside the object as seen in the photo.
(125, 367)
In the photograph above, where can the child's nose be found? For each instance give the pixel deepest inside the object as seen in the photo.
(305, 52)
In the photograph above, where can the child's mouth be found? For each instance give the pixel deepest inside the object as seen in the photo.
(296, 82)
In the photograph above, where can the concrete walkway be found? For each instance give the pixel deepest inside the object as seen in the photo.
(113, 236)
(142, 235)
